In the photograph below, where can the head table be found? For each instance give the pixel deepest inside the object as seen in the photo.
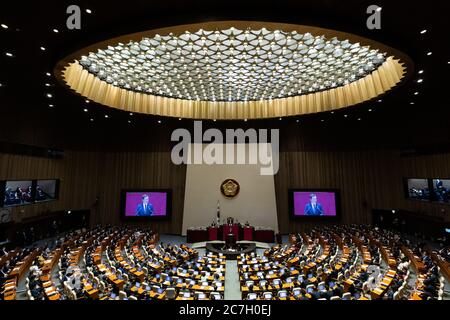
(248, 233)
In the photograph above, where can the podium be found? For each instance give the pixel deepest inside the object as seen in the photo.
(230, 229)
(230, 240)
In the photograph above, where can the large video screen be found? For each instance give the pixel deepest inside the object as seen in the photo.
(314, 203)
(418, 189)
(146, 204)
(441, 190)
(17, 193)
(46, 190)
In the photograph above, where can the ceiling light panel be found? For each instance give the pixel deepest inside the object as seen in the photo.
(233, 64)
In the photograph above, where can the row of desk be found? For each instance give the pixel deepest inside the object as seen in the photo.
(367, 257)
(416, 262)
(379, 291)
(9, 256)
(442, 264)
(17, 273)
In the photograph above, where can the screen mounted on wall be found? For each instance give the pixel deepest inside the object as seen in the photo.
(314, 203)
(17, 193)
(146, 204)
(441, 190)
(24, 192)
(46, 190)
(418, 189)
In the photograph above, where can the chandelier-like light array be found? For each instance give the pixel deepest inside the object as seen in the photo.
(233, 64)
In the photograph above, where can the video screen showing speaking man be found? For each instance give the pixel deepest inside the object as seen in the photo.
(145, 204)
(144, 209)
(314, 204)
(313, 208)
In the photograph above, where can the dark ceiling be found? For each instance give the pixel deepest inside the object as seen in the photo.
(392, 122)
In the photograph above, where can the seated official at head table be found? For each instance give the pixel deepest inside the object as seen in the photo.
(144, 209)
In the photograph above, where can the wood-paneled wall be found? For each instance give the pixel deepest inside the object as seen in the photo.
(356, 174)
(134, 170)
(367, 180)
(426, 166)
(88, 175)
(77, 171)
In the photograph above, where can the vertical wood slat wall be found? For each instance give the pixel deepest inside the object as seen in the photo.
(367, 179)
(77, 172)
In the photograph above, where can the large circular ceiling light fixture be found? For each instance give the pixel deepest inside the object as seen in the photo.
(234, 70)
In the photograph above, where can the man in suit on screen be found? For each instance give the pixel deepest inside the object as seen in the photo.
(313, 208)
(144, 209)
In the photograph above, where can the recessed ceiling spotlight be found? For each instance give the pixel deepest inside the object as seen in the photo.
(88, 11)
(9, 54)
(280, 119)
(129, 121)
(159, 121)
(214, 120)
(85, 110)
(420, 81)
(245, 120)
(298, 121)
(412, 102)
(43, 48)
(429, 53)
(55, 30)
(423, 31)
(4, 26)
(92, 119)
(359, 119)
(51, 105)
(48, 85)
(332, 112)
(345, 116)
(179, 119)
(87, 101)
(370, 110)
(48, 74)
(379, 101)
(49, 95)
(322, 120)
(106, 116)
(421, 72)
(131, 113)
(416, 93)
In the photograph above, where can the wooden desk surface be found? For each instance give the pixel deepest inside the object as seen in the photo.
(183, 298)
(416, 296)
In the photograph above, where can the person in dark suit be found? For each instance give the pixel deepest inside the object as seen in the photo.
(313, 208)
(144, 209)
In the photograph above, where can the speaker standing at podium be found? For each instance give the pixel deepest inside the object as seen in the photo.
(313, 208)
(144, 209)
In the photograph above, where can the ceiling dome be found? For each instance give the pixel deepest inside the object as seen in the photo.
(233, 64)
(234, 70)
